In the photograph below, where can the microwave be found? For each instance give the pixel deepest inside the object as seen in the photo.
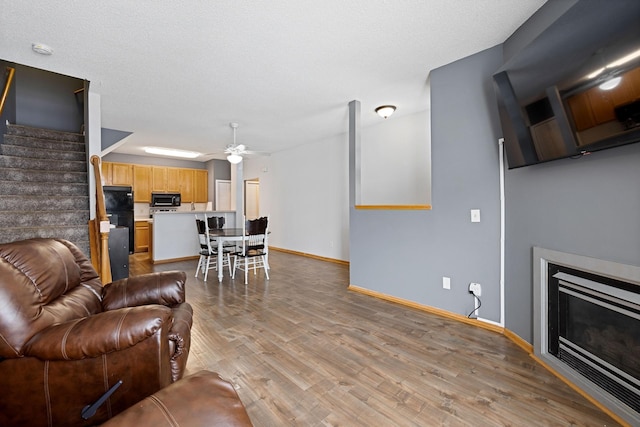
(165, 199)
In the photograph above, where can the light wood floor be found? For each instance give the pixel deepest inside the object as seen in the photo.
(302, 350)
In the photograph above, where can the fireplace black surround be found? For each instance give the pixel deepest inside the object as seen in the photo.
(587, 326)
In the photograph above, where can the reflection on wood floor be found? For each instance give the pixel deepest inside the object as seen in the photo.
(302, 350)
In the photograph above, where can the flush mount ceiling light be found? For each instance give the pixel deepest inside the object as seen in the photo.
(385, 111)
(41, 48)
(611, 83)
(171, 152)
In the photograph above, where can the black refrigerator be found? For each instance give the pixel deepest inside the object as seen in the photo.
(118, 202)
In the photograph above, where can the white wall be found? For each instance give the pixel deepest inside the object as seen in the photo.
(305, 192)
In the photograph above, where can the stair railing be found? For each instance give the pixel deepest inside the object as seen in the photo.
(99, 229)
(10, 72)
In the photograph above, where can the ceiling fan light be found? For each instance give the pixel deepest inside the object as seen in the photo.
(385, 111)
(234, 158)
(611, 83)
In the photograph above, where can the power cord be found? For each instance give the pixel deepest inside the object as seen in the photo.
(477, 308)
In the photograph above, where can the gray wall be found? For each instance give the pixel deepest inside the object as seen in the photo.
(587, 206)
(406, 253)
(47, 100)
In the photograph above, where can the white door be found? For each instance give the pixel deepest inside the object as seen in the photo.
(252, 198)
(223, 195)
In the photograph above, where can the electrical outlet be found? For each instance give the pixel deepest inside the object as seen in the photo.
(446, 282)
(475, 289)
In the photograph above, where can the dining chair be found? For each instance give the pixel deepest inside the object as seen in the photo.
(209, 253)
(255, 248)
(216, 223)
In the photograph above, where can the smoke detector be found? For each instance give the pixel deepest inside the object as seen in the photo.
(41, 48)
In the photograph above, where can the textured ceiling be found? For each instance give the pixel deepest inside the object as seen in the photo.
(176, 73)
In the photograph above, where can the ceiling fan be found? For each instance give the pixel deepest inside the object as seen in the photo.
(235, 152)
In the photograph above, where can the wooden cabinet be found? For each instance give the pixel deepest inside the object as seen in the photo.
(173, 180)
(158, 179)
(142, 182)
(142, 236)
(105, 169)
(185, 177)
(200, 185)
(165, 179)
(116, 173)
(192, 184)
(121, 174)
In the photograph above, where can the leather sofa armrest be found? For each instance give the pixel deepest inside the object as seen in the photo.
(164, 288)
(99, 334)
(199, 400)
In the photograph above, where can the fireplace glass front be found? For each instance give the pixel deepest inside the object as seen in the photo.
(594, 326)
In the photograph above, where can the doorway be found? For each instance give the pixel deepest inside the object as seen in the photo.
(252, 198)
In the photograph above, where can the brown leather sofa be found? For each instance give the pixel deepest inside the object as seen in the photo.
(65, 340)
(199, 400)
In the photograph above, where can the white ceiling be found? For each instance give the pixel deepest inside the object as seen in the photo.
(176, 73)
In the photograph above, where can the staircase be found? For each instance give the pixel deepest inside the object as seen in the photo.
(44, 189)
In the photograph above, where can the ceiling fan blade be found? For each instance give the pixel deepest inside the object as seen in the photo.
(256, 153)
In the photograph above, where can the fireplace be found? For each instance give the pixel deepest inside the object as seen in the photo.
(587, 326)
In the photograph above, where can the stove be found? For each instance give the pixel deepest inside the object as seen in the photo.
(154, 210)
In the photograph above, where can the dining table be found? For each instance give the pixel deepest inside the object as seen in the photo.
(222, 235)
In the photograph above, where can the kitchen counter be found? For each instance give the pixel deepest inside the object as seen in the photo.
(174, 235)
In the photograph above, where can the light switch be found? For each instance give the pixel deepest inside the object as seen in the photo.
(475, 215)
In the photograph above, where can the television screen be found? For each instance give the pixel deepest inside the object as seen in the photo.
(575, 88)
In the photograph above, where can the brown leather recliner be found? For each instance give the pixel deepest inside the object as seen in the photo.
(65, 340)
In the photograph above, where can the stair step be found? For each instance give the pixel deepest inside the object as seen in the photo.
(79, 235)
(49, 144)
(43, 203)
(44, 190)
(29, 175)
(29, 219)
(41, 153)
(44, 133)
(53, 189)
(42, 164)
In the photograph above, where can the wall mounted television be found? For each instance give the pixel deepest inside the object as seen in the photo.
(550, 95)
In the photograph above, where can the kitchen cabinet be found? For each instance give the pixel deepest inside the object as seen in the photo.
(142, 236)
(192, 184)
(105, 169)
(116, 173)
(165, 179)
(121, 174)
(142, 182)
(158, 179)
(185, 177)
(200, 187)
(173, 180)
